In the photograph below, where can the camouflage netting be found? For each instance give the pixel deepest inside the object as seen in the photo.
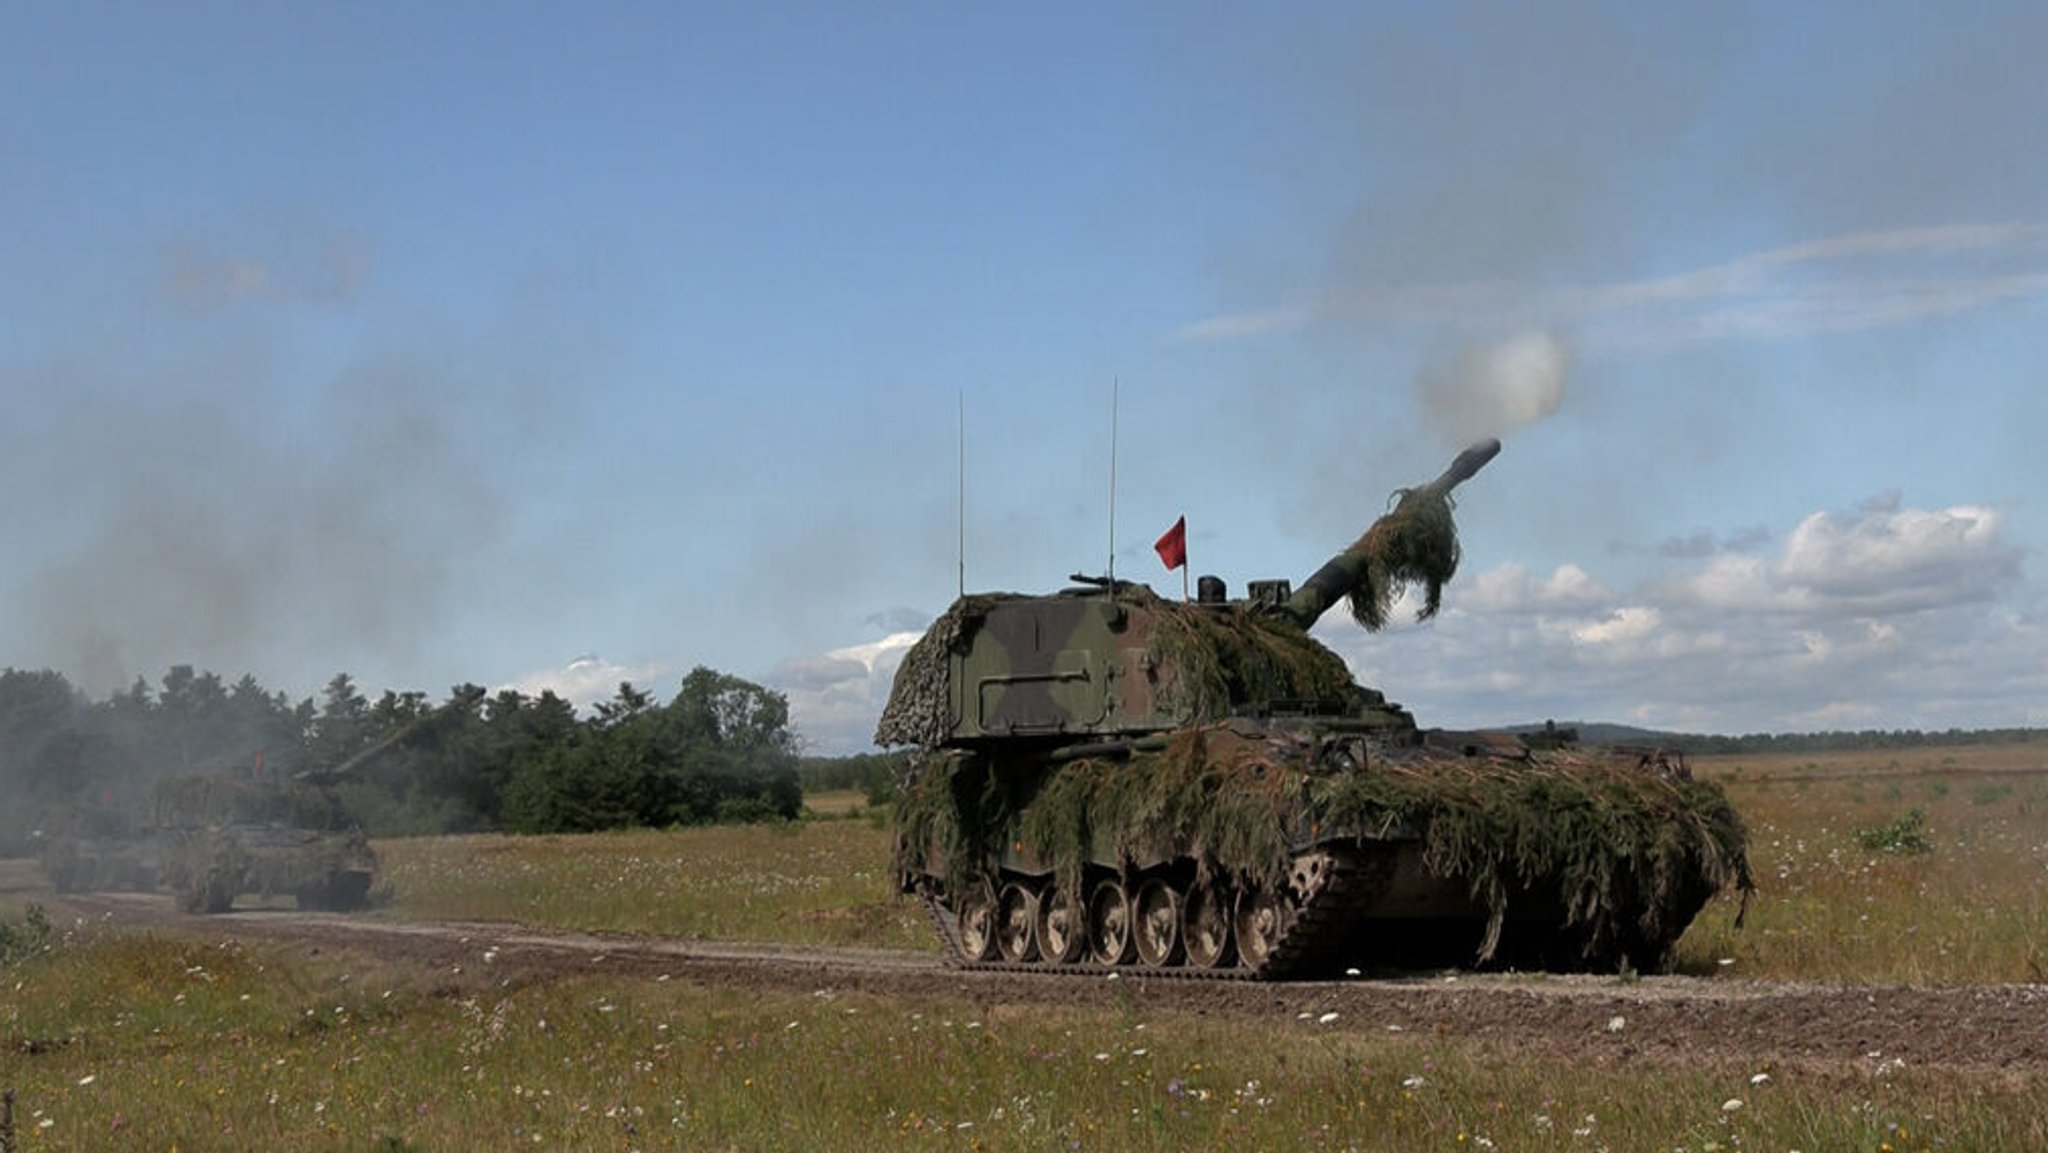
(1418, 543)
(191, 802)
(1217, 657)
(1618, 850)
(1227, 656)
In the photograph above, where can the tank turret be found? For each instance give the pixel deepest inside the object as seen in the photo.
(1107, 777)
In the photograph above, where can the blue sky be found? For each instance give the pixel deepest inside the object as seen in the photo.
(543, 346)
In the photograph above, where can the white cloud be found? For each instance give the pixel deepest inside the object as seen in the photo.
(1627, 626)
(1728, 583)
(1887, 616)
(1511, 589)
(587, 680)
(1899, 558)
(1880, 560)
(835, 698)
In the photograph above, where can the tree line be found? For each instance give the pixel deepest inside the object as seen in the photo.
(721, 749)
(877, 776)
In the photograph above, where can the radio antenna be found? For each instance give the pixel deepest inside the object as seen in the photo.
(1112, 487)
(960, 444)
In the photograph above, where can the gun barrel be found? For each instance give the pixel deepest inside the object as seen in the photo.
(1467, 465)
(1408, 542)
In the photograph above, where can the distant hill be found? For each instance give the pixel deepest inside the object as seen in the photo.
(1605, 733)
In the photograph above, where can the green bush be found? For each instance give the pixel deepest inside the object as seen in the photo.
(19, 941)
(1907, 835)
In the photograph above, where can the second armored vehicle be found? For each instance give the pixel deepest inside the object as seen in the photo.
(222, 836)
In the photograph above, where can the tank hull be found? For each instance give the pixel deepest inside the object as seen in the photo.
(101, 864)
(223, 837)
(207, 869)
(1244, 851)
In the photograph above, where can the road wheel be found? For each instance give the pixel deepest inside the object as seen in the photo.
(1062, 939)
(1109, 924)
(1017, 924)
(1205, 926)
(1156, 923)
(1262, 921)
(977, 922)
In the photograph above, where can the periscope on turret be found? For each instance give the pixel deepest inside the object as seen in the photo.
(1108, 778)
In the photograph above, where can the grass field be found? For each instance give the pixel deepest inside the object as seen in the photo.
(121, 1041)
(1839, 900)
(820, 881)
(152, 1044)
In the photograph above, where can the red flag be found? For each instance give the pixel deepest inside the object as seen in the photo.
(1173, 547)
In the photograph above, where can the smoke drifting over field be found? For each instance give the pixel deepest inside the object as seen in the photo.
(215, 503)
(210, 531)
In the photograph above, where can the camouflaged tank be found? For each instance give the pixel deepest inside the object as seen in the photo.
(223, 836)
(1106, 777)
(97, 849)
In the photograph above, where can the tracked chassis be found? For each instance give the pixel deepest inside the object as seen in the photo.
(1108, 778)
(1342, 907)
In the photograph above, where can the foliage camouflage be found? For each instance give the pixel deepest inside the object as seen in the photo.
(1108, 732)
(193, 802)
(919, 709)
(222, 836)
(1418, 543)
(1616, 849)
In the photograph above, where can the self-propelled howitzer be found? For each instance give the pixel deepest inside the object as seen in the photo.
(1106, 777)
(226, 834)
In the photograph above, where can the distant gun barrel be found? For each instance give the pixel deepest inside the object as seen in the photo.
(350, 768)
(1417, 541)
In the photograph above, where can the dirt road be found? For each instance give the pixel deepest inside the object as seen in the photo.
(1590, 1020)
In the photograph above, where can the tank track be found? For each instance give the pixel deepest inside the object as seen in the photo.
(1318, 918)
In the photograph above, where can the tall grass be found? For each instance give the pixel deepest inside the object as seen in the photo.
(153, 1043)
(823, 882)
(1839, 901)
